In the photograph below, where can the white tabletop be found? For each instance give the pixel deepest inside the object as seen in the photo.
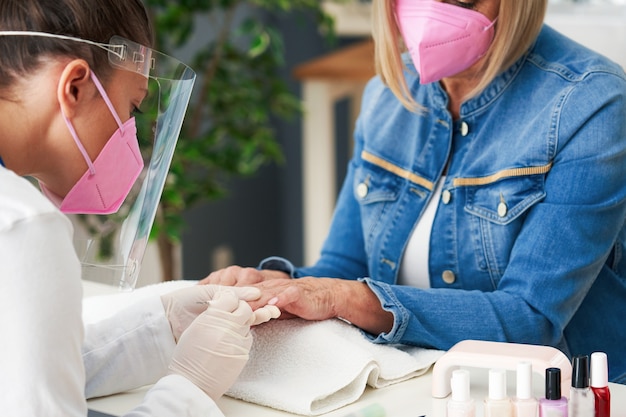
(406, 399)
(411, 398)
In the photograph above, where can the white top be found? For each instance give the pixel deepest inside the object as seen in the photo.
(42, 331)
(599, 370)
(414, 269)
(524, 378)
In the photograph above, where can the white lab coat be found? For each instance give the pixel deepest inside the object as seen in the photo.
(42, 372)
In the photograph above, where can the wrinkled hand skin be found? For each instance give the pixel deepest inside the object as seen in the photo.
(324, 298)
(308, 298)
(240, 276)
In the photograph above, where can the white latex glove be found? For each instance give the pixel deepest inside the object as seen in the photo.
(264, 314)
(184, 305)
(212, 352)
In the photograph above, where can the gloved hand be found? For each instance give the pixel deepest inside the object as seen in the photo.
(213, 350)
(184, 305)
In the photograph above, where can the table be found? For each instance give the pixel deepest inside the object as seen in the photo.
(411, 398)
(326, 80)
(407, 399)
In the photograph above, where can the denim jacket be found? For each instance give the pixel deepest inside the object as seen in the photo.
(527, 244)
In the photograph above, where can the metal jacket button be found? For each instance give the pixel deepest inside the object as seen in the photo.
(464, 129)
(448, 277)
(361, 190)
(446, 196)
(502, 209)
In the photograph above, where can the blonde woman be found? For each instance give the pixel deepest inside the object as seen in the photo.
(486, 198)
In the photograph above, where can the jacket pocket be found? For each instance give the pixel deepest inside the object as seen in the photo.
(375, 190)
(496, 214)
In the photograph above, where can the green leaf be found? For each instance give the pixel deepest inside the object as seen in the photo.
(228, 125)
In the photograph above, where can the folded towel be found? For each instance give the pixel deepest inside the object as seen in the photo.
(311, 368)
(302, 367)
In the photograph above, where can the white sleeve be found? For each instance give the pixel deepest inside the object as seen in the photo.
(41, 331)
(175, 395)
(130, 349)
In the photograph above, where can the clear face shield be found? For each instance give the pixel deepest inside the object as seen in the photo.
(111, 247)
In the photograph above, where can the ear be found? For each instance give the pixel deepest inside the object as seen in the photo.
(73, 86)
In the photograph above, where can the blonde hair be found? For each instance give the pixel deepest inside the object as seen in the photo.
(519, 23)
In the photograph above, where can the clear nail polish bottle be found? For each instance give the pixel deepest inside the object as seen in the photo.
(461, 404)
(553, 405)
(581, 399)
(524, 404)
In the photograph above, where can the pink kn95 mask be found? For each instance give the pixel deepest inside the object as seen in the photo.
(109, 179)
(442, 39)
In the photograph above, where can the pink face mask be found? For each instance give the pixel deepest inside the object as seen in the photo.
(442, 39)
(109, 179)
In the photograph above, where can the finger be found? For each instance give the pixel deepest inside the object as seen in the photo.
(240, 317)
(226, 276)
(225, 300)
(285, 297)
(206, 292)
(205, 281)
(249, 276)
(212, 278)
(247, 293)
(265, 314)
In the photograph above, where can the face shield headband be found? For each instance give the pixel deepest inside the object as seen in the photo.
(111, 247)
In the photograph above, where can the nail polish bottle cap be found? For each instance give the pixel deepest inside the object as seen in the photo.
(460, 384)
(580, 371)
(524, 380)
(497, 384)
(553, 384)
(599, 370)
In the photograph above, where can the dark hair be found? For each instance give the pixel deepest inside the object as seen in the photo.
(94, 20)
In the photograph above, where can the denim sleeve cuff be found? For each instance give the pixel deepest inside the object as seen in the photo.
(389, 302)
(277, 263)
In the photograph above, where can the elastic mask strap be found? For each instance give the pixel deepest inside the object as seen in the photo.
(491, 24)
(106, 99)
(81, 148)
(70, 126)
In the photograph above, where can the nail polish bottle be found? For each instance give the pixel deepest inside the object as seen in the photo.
(524, 404)
(581, 398)
(553, 405)
(600, 384)
(497, 404)
(461, 404)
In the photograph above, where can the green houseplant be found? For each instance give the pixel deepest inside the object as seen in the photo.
(228, 129)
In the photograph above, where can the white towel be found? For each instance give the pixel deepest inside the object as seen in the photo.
(311, 368)
(299, 366)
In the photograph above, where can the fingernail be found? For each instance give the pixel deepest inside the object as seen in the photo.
(273, 301)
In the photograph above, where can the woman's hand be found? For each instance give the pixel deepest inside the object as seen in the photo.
(238, 276)
(323, 298)
(308, 298)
